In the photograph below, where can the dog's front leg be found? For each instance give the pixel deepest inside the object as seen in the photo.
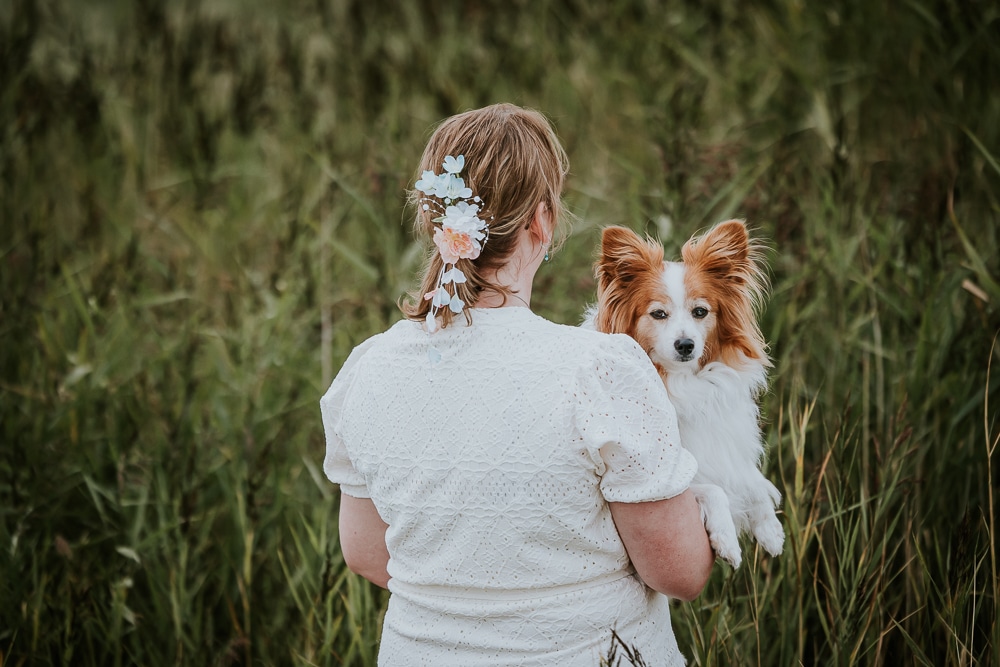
(763, 521)
(718, 518)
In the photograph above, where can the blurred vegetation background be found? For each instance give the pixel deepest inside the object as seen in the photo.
(202, 210)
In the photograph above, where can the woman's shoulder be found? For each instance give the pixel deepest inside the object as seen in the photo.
(583, 344)
(362, 348)
(373, 342)
(520, 330)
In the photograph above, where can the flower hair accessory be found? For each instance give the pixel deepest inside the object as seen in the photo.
(462, 233)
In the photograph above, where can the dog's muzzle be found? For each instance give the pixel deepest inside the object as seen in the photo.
(684, 348)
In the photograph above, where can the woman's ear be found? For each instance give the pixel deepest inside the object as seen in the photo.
(540, 226)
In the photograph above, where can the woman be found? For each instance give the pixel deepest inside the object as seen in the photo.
(517, 485)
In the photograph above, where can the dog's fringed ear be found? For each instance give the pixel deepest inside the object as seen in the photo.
(618, 242)
(723, 251)
(624, 254)
(727, 253)
(625, 257)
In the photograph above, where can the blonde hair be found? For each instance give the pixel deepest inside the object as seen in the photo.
(513, 161)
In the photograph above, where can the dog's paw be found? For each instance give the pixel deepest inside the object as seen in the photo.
(715, 512)
(723, 536)
(773, 494)
(770, 535)
(727, 547)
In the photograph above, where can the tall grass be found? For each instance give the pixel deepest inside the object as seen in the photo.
(202, 213)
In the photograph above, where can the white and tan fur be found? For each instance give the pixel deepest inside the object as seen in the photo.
(697, 320)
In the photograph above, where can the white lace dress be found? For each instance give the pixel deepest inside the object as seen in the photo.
(491, 451)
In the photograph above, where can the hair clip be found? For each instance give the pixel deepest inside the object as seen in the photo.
(462, 233)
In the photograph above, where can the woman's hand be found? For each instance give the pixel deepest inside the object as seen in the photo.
(362, 539)
(667, 543)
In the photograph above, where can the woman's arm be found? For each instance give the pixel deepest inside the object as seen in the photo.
(667, 543)
(362, 539)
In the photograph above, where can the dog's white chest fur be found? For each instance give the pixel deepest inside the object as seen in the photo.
(718, 417)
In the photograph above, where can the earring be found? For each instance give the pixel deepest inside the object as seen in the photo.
(546, 254)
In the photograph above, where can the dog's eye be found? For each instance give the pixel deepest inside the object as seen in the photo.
(699, 312)
(658, 314)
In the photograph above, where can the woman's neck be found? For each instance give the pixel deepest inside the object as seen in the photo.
(519, 284)
(494, 299)
(516, 274)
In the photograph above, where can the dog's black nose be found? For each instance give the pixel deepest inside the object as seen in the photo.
(684, 346)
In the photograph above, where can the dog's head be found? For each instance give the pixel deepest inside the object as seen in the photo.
(684, 314)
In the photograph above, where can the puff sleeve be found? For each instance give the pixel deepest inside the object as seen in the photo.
(337, 464)
(628, 425)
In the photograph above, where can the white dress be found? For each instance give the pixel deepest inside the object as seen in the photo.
(491, 451)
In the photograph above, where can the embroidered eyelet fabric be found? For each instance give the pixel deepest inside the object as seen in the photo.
(491, 451)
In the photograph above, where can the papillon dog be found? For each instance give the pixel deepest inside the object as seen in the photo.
(697, 321)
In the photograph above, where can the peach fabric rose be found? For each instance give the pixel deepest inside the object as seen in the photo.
(455, 245)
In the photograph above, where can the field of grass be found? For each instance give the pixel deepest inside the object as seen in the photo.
(201, 213)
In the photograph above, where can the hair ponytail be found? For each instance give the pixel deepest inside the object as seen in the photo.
(418, 305)
(513, 162)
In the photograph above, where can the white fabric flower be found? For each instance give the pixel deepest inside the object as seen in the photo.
(427, 183)
(462, 217)
(456, 304)
(455, 275)
(454, 188)
(447, 185)
(454, 165)
(443, 185)
(441, 297)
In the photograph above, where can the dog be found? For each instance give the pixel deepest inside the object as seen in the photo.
(697, 321)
